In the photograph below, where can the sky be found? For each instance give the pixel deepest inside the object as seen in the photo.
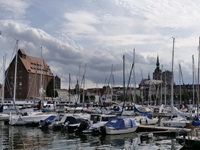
(87, 39)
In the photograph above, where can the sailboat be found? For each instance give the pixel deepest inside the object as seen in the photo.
(121, 125)
(145, 117)
(178, 121)
(191, 140)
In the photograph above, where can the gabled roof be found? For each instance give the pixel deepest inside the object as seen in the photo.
(34, 64)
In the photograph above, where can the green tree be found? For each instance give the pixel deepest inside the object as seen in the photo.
(50, 89)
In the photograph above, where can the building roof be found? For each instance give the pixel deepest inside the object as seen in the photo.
(34, 64)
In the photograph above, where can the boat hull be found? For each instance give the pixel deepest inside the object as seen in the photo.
(177, 123)
(4, 117)
(113, 131)
(29, 119)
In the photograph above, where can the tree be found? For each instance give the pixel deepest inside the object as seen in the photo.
(50, 92)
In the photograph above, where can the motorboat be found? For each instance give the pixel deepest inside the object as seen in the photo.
(96, 121)
(119, 125)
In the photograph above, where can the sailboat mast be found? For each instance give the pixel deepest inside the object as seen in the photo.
(198, 80)
(69, 88)
(41, 78)
(161, 86)
(134, 79)
(15, 77)
(112, 82)
(83, 80)
(124, 95)
(165, 90)
(3, 85)
(172, 80)
(193, 79)
(180, 83)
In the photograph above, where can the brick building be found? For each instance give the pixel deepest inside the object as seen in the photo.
(32, 72)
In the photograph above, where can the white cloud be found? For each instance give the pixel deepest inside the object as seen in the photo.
(164, 14)
(14, 8)
(80, 22)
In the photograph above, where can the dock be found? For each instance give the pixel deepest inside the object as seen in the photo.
(161, 128)
(162, 131)
(148, 128)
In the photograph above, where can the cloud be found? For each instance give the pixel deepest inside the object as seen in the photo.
(80, 22)
(14, 9)
(32, 39)
(163, 14)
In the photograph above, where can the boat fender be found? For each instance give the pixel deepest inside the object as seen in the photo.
(146, 121)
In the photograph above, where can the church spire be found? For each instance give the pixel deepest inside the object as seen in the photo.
(157, 63)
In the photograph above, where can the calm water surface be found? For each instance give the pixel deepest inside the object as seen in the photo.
(29, 138)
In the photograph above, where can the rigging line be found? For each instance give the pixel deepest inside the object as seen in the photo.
(129, 79)
(11, 94)
(12, 57)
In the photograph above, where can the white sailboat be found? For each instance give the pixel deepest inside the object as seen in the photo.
(191, 140)
(178, 121)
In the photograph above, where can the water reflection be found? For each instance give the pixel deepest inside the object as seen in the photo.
(119, 141)
(25, 138)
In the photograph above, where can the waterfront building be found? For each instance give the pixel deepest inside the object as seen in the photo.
(32, 74)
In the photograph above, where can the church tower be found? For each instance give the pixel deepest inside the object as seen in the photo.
(157, 72)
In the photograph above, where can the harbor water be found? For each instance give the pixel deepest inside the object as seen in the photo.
(33, 138)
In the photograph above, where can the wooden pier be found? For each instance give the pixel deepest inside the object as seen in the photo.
(161, 131)
(161, 128)
(147, 128)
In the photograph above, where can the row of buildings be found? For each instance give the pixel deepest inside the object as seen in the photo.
(35, 79)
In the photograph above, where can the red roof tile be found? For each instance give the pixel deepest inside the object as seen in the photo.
(35, 65)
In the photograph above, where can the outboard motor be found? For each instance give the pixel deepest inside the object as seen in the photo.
(43, 124)
(103, 130)
(83, 126)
